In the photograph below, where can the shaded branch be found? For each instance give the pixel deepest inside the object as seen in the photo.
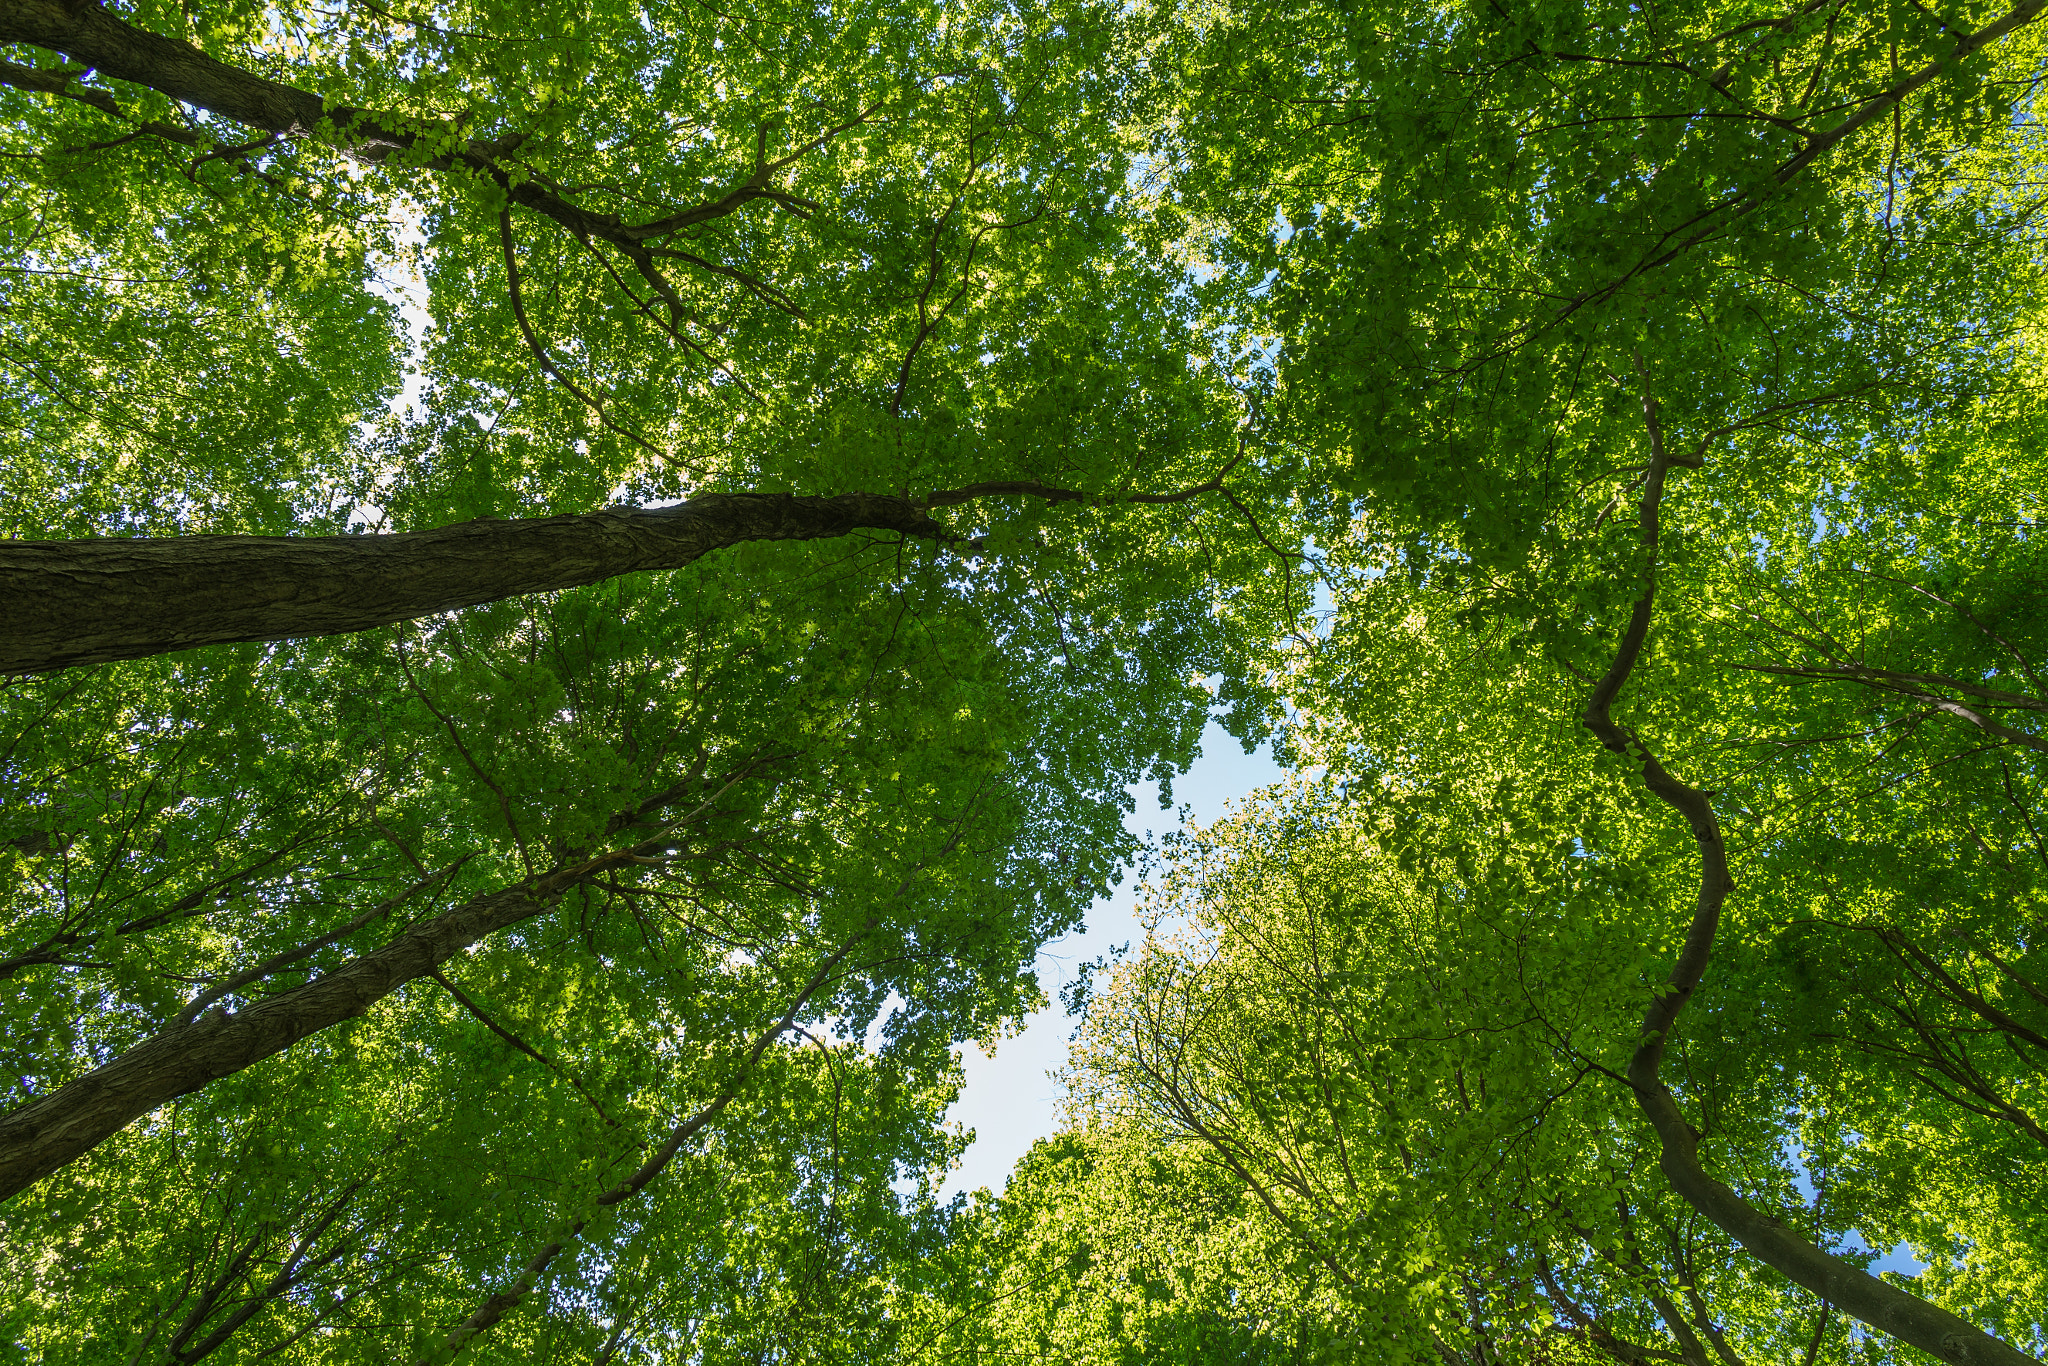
(503, 1302)
(540, 352)
(509, 1037)
(51, 1131)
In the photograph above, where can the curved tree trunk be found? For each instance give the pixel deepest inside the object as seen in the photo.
(1906, 1317)
(64, 603)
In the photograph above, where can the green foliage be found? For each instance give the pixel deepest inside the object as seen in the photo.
(1404, 300)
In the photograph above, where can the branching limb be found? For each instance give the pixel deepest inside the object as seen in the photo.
(1596, 1332)
(503, 1302)
(496, 1306)
(540, 352)
(462, 748)
(1820, 1328)
(59, 83)
(54, 1130)
(529, 1050)
(199, 902)
(101, 40)
(1716, 218)
(293, 1271)
(1902, 682)
(2019, 656)
(277, 962)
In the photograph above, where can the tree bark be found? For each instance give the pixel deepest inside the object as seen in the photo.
(1906, 1317)
(65, 603)
(84, 31)
(44, 1135)
(87, 33)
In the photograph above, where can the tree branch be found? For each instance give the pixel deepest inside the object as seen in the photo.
(503, 1302)
(509, 1037)
(53, 1130)
(221, 990)
(547, 362)
(87, 32)
(1885, 680)
(1717, 217)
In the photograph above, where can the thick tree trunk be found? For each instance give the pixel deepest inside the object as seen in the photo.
(88, 33)
(87, 602)
(44, 1135)
(84, 31)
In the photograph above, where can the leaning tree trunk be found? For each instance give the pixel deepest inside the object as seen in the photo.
(91, 601)
(188, 1054)
(1836, 1280)
(51, 1131)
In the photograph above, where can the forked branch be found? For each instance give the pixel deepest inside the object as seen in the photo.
(497, 1305)
(540, 352)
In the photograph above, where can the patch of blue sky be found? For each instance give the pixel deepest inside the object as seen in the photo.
(1011, 1098)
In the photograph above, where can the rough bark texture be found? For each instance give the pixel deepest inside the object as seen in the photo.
(87, 33)
(44, 1135)
(65, 603)
(1906, 1317)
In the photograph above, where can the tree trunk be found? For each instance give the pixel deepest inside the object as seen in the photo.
(64, 603)
(44, 1135)
(1835, 1280)
(86, 32)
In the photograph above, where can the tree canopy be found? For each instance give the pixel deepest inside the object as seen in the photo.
(586, 585)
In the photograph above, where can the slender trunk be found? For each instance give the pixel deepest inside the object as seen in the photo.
(1906, 1317)
(65, 603)
(44, 1135)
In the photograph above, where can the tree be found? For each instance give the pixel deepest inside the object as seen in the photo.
(282, 917)
(1551, 293)
(1773, 270)
(1404, 1007)
(967, 296)
(1512, 283)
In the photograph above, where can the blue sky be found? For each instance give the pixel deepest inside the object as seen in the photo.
(1010, 1100)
